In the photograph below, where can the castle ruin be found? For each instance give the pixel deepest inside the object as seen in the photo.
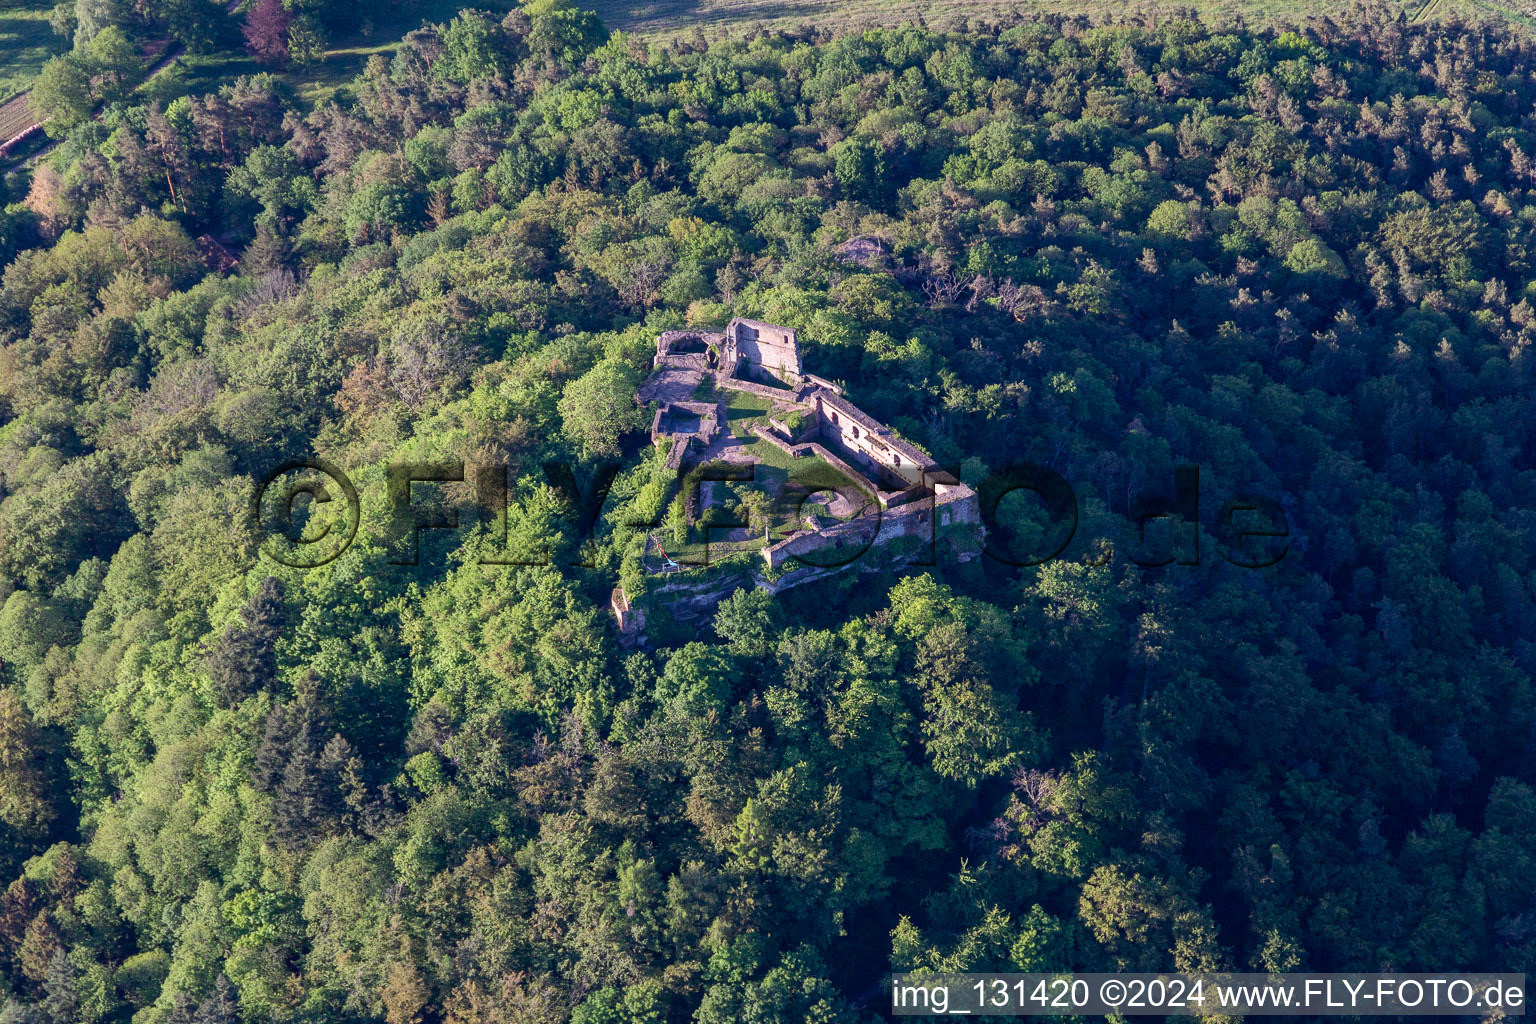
(904, 492)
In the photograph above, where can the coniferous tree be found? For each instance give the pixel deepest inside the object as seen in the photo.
(24, 796)
(61, 999)
(245, 660)
(1299, 256)
(303, 798)
(18, 906)
(268, 252)
(272, 751)
(221, 1007)
(38, 946)
(183, 1009)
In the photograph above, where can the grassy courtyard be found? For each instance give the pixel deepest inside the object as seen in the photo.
(790, 485)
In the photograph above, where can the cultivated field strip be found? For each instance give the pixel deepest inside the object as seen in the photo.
(15, 117)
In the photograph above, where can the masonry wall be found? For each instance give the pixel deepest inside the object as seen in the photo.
(859, 442)
(957, 503)
(859, 538)
(773, 348)
(761, 390)
(854, 475)
(667, 340)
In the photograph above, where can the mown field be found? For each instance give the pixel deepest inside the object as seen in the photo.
(672, 17)
(25, 42)
(344, 58)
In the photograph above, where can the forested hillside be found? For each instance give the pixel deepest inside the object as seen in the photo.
(1300, 259)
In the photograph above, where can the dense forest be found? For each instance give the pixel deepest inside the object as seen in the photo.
(1299, 258)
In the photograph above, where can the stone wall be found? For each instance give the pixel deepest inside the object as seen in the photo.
(707, 413)
(894, 499)
(867, 441)
(668, 340)
(770, 346)
(916, 499)
(749, 388)
(958, 504)
(821, 382)
(861, 481)
(922, 519)
(858, 537)
(800, 433)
